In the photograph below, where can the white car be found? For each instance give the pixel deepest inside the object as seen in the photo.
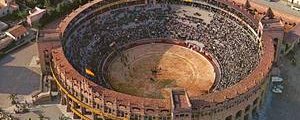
(276, 90)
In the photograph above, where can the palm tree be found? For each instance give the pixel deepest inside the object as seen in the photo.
(41, 116)
(1, 113)
(63, 117)
(13, 97)
(4, 115)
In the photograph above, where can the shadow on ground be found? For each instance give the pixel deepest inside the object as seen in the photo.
(19, 80)
(15, 74)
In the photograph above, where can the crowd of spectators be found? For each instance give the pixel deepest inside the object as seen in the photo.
(235, 48)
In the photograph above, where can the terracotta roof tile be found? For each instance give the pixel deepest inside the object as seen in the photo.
(17, 30)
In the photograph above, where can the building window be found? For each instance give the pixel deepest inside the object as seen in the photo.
(238, 114)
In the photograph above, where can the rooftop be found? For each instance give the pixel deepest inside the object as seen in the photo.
(3, 26)
(17, 30)
(293, 35)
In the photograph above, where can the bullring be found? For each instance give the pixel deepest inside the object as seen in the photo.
(232, 43)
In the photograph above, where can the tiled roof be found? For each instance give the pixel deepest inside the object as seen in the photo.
(17, 30)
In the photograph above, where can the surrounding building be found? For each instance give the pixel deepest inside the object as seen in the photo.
(3, 26)
(4, 42)
(295, 4)
(7, 7)
(17, 32)
(292, 38)
(274, 26)
(35, 15)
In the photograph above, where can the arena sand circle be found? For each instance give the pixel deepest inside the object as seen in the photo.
(149, 70)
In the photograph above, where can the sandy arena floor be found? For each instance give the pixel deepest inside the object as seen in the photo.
(149, 70)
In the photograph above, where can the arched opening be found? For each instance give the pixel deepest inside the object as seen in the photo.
(254, 112)
(246, 117)
(228, 117)
(255, 101)
(260, 102)
(275, 40)
(247, 108)
(238, 114)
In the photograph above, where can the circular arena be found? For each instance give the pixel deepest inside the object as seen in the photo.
(155, 68)
(161, 60)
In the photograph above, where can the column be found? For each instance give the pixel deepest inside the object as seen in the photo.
(83, 110)
(68, 105)
(63, 100)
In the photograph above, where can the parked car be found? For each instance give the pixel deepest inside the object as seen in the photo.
(277, 89)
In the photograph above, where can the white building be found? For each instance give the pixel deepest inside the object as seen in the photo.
(35, 15)
(295, 1)
(295, 4)
(7, 7)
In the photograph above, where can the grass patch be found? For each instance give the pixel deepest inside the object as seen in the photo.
(17, 15)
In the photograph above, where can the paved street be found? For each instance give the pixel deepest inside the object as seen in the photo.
(50, 111)
(16, 74)
(280, 6)
(286, 106)
(20, 74)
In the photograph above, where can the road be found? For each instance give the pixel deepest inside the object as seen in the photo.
(286, 106)
(17, 76)
(280, 6)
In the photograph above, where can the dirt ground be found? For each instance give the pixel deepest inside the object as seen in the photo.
(150, 70)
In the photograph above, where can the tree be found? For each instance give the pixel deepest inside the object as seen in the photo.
(41, 116)
(22, 14)
(32, 3)
(47, 3)
(1, 113)
(63, 117)
(5, 116)
(13, 97)
(59, 8)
